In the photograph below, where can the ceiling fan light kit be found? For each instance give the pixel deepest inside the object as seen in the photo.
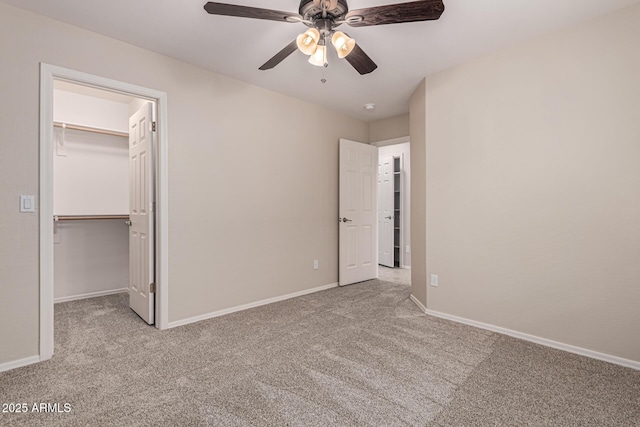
(308, 41)
(323, 16)
(343, 43)
(319, 57)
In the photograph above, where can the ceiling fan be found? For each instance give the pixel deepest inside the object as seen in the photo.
(323, 17)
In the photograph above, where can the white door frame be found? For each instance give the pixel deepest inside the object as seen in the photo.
(49, 73)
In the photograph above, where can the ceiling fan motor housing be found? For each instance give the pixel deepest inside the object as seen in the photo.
(311, 10)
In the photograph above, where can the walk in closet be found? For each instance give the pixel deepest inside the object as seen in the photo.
(90, 192)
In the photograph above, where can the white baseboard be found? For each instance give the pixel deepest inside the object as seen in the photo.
(249, 305)
(405, 267)
(418, 303)
(90, 295)
(532, 338)
(19, 363)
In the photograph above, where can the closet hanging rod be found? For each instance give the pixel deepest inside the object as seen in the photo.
(87, 217)
(90, 129)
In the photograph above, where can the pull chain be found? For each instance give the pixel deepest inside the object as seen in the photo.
(325, 64)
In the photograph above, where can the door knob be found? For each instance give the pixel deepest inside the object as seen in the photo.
(388, 217)
(346, 220)
(128, 222)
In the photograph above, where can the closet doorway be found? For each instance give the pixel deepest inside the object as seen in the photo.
(103, 176)
(103, 196)
(394, 196)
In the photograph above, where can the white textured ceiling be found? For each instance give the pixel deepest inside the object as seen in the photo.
(405, 53)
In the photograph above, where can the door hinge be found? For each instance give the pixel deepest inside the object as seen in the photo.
(153, 126)
(152, 288)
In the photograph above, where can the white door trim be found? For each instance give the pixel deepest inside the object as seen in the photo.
(48, 73)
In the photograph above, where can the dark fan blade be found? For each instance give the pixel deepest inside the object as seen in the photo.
(250, 12)
(426, 10)
(360, 60)
(280, 56)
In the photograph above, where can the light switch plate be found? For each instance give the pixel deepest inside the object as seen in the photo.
(27, 203)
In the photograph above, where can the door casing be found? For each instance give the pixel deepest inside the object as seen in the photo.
(49, 73)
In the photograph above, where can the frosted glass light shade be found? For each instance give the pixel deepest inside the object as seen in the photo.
(343, 43)
(308, 41)
(319, 56)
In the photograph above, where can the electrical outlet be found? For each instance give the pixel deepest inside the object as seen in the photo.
(406, 249)
(434, 280)
(315, 264)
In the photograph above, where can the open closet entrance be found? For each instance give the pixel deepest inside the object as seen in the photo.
(394, 195)
(103, 181)
(103, 195)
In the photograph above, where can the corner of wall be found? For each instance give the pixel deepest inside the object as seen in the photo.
(417, 139)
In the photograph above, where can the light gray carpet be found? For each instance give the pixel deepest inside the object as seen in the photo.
(359, 355)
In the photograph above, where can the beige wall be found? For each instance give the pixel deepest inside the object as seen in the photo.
(417, 136)
(253, 194)
(533, 187)
(90, 257)
(390, 128)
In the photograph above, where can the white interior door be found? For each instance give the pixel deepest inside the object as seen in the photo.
(385, 211)
(141, 214)
(358, 235)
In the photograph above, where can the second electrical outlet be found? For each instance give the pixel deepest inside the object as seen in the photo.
(434, 280)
